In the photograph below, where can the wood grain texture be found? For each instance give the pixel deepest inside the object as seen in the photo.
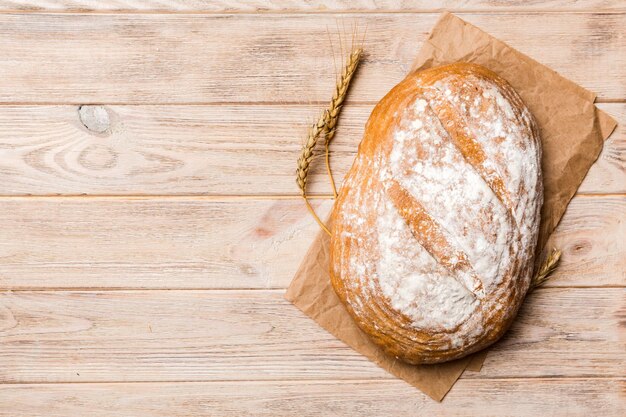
(608, 174)
(171, 58)
(301, 6)
(163, 243)
(221, 243)
(584, 234)
(257, 335)
(477, 398)
(212, 149)
(201, 99)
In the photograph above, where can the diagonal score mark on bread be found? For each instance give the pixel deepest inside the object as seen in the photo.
(433, 238)
(469, 147)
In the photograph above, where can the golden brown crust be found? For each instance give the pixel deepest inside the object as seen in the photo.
(435, 227)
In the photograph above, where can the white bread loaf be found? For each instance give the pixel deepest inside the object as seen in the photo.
(434, 230)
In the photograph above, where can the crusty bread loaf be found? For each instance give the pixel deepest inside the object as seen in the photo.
(434, 230)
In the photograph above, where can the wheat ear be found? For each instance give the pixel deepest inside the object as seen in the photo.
(548, 266)
(326, 125)
(304, 163)
(331, 114)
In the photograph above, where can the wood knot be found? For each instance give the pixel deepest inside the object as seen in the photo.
(580, 247)
(95, 118)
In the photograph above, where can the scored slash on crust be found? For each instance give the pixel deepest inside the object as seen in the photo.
(432, 237)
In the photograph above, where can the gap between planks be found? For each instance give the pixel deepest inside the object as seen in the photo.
(214, 197)
(599, 100)
(312, 12)
(333, 381)
(218, 290)
(199, 197)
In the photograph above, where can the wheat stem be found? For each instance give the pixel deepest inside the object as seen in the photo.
(328, 171)
(317, 219)
(548, 266)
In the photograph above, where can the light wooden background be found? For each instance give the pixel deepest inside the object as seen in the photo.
(144, 257)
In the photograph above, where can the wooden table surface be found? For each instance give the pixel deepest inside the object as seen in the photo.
(147, 238)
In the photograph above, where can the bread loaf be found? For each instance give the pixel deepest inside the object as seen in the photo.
(434, 230)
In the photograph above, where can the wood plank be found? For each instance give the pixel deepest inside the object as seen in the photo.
(547, 319)
(608, 174)
(163, 243)
(257, 335)
(237, 243)
(172, 6)
(213, 149)
(589, 237)
(190, 58)
(544, 397)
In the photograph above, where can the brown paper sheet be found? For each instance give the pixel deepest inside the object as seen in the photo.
(572, 130)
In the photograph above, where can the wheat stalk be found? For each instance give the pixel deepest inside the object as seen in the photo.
(548, 266)
(326, 124)
(331, 114)
(304, 164)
